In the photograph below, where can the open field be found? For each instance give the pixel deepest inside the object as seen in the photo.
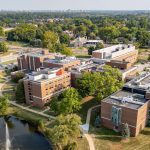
(143, 54)
(16, 43)
(9, 62)
(106, 139)
(2, 75)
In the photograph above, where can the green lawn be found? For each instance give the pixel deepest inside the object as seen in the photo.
(31, 117)
(9, 62)
(17, 43)
(82, 144)
(87, 103)
(6, 53)
(83, 56)
(106, 139)
(9, 86)
(2, 75)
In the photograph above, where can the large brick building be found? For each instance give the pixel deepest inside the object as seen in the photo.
(130, 105)
(42, 85)
(125, 53)
(33, 61)
(61, 61)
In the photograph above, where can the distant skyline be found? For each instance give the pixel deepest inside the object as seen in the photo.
(75, 4)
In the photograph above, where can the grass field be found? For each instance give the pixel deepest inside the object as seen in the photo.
(16, 43)
(143, 54)
(87, 103)
(106, 139)
(9, 62)
(2, 75)
(83, 56)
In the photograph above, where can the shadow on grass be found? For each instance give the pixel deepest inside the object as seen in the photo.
(146, 132)
(110, 138)
(85, 106)
(103, 131)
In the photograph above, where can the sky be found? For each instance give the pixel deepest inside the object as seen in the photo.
(75, 4)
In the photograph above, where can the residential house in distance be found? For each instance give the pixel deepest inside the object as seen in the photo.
(83, 41)
(78, 42)
(93, 43)
(130, 105)
(33, 61)
(70, 33)
(42, 85)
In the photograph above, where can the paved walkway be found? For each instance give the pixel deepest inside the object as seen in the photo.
(20, 106)
(88, 118)
(30, 110)
(2, 84)
(85, 132)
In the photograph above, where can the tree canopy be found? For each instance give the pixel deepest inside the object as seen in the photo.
(49, 39)
(66, 130)
(3, 104)
(95, 83)
(3, 47)
(19, 93)
(23, 32)
(68, 102)
(2, 33)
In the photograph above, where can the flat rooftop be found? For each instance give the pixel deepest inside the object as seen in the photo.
(93, 67)
(43, 71)
(39, 54)
(126, 99)
(115, 48)
(67, 60)
(141, 82)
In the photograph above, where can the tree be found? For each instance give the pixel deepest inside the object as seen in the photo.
(2, 33)
(125, 131)
(19, 92)
(99, 46)
(148, 57)
(90, 50)
(17, 76)
(68, 102)
(23, 32)
(60, 48)
(36, 43)
(3, 104)
(64, 39)
(95, 83)
(111, 78)
(3, 47)
(108, 33)
(143, 37)
(65, 131)
(49, 39)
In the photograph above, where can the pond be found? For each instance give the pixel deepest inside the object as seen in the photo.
(18, 134)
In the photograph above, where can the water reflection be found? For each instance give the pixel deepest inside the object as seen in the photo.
(23, 136)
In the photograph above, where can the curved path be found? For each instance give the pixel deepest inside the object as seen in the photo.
(20, 106)
(85, 132)
(86, 129)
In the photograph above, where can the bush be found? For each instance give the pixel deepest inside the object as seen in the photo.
(71, 146)
(3, 47)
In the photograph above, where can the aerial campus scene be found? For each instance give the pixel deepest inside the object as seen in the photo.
(74, 75)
